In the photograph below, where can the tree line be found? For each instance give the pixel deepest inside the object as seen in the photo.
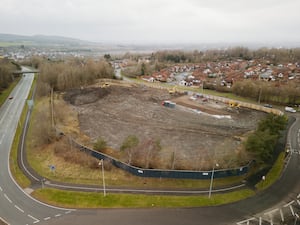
(273, 55)
(6, 73)
(268, 92)
(73, 73)
(261, 143)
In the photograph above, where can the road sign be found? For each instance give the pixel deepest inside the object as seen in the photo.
(52, 168)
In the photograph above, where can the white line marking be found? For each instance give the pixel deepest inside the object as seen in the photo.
(292, 210)
(271, 212)
(298, 196)
(47, 218)
(260, 221)
(68, 212)
(271, 216)
(145, 190)
(1, 189)
(288, 204)
(2, 139)
(281, 215)
(57, 215)
(35, 219)
(298, 202)
(8, 199)
(245, 221)
(18, 208)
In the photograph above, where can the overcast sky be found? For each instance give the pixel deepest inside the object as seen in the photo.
(155, 21)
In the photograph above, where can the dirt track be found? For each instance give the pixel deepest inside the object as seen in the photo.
(196, 139)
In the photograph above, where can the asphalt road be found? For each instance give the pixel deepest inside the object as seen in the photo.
(17, 207)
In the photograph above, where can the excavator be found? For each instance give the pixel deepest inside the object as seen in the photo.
(234, 104)
(173, 90)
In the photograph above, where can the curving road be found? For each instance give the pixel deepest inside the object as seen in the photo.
(16, 206)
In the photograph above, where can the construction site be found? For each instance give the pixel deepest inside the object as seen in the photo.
(194, 133)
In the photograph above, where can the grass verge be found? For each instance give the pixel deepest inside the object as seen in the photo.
(273, 174)
(21, 179)
(70, 172)
(95, 200)
(18, 175)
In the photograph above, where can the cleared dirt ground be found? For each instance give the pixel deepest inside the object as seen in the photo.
(189, 138)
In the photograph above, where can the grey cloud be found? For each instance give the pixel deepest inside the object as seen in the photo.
(155, 20)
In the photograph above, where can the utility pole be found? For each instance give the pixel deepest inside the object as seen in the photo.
(212, 179)
(103, 179)
(52, 103)
(259, 96)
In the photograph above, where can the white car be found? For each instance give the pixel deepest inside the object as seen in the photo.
(290, 109)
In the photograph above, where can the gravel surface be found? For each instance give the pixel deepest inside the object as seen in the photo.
(194, 139)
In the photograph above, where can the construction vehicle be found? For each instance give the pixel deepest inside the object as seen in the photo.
(173, 90)
(105, 85)
(234, 104)
(169, 104)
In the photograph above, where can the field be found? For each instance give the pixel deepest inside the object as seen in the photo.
(194, 135)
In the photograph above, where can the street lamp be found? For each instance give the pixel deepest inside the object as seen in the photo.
(263, 180)
(103, 179)
(212, 179)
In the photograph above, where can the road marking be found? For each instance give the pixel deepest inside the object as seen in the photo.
(260, 221)
(18, 208)
(272, 211)
(8, 199)
(271, 215)
(47, 218)
(292, 210)
(288, 204)
(298, 202)
(57, 215)
(68, 212)
(1, 189)
(281, 215)
(2, 139)
(35, 219)
(245, 221)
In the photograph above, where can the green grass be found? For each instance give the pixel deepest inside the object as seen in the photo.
(273, 174)
(18, 175)
(10, 44)
(32, 87)
(21, 179)
(73, 173)
(95, 200)
(5, 93)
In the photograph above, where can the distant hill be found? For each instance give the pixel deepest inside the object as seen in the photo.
(11, 39)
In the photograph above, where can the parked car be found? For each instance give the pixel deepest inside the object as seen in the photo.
(268, 106)
(290, 109)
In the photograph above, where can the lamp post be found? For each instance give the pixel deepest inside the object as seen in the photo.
(263, 180)
(103, 179)
(212, 179)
